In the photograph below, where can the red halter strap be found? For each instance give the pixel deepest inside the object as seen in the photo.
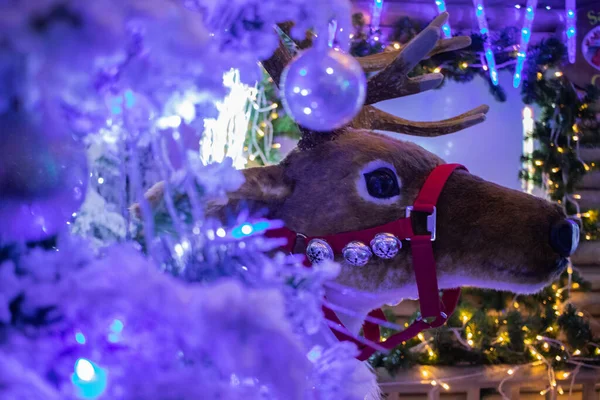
(434, 309)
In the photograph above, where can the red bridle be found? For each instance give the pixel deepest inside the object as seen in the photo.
(434, 309)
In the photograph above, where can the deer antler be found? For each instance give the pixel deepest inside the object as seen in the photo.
(374, 118)
(377, 62)
(393, 82)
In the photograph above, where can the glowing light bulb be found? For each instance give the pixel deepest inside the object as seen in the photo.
(576, 352)
(510, 372)
(221, 232)
(80, 338)
(433, 383)
(89, 379)
(397, 45)
(446, 386)
(84, 370)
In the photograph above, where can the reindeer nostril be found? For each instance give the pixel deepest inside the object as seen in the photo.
(564, 237)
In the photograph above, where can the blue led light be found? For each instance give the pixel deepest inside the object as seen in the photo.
(446, 30)
(483, 28)
(129, 99)
(441, 6)
(247, 229)
(116, 326)
(376, 17)
(80, 338)
(571, 29)
(115, 331)
(89, 379)
(525, 38)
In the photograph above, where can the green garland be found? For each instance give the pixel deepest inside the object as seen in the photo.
(566, 120)
(499, 328)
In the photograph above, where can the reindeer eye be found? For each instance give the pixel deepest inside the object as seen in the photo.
(382, 183)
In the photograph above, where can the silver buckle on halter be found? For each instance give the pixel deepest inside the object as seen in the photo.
(431, 221)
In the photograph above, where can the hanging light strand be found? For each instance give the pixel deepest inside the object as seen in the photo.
(525, 38)
(441, 5)
(571, 19)
(376, 17)
(487, 46)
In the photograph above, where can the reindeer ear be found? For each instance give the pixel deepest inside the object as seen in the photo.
(264, 184)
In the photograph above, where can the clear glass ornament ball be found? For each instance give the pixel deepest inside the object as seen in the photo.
(323, 89)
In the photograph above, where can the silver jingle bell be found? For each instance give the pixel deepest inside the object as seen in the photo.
(318, 251)
(357, 253)
(385, 245)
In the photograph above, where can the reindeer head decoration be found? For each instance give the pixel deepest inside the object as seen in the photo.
(352, 179)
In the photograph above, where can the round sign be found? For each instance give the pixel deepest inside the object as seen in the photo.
(590, 47)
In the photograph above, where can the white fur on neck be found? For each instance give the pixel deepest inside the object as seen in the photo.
(359, 304)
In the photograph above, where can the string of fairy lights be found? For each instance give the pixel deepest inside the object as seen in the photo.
(490, 61)
(540, 346)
